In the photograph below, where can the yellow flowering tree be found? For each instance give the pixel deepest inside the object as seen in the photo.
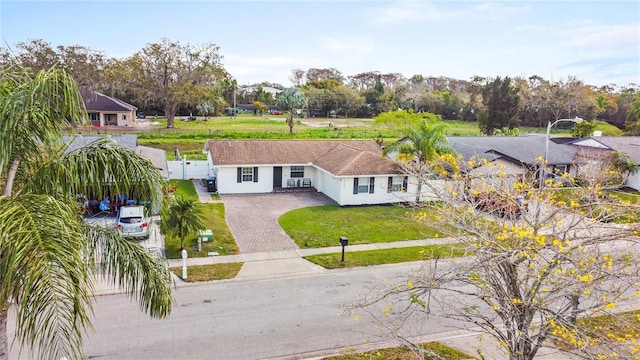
(528, 279)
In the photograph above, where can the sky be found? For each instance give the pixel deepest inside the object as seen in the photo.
(597, 42)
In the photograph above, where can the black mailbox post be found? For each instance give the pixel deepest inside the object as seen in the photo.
(344, 242)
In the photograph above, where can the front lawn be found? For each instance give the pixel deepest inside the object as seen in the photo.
(322, 226)
(443, 352)
(223, 242)
(209, 272)
(184, 188)
(386, 256)
(622, 207)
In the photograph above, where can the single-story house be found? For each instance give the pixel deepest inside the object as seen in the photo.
(351, 172)
(629, 145)
(107, 111)
(514, 155)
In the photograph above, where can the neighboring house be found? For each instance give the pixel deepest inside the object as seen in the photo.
(157, 156)
(107, 111)
(250, 108)
(629, 145)
(351, 172)
(516, 156)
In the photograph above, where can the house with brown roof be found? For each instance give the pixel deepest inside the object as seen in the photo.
(351, 172)
(104, 110)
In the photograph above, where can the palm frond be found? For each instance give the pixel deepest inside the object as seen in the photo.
(129, 266)
(100, 169)
(43, 271)
(33, 111)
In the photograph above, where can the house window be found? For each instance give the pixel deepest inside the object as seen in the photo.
(94, 118)
(297, 171)
(363, 185)
(247, 174)
(559, 169)
(397, 183)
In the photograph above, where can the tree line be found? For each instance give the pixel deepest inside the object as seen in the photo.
(170, 77)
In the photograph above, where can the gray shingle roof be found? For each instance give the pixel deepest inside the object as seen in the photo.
(78, 141)
(100, 102)
(339, 157)
(525, 148)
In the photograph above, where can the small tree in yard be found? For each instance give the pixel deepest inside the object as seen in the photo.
(425, 151)
(261, 108)
(182, 217)
(205, 109)
(528, 278)
(290, 100)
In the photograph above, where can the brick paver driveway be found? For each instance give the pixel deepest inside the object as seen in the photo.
(253, 218)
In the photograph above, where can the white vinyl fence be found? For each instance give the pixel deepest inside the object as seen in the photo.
(188, 169)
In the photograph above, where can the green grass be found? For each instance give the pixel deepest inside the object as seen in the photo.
(209, 272)
(184, 188)
(617, 212)
(223, 242)
(322, 226)
(387, 256)
(442, 351)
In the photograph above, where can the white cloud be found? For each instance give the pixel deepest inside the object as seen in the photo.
(403, 11)
(355, 45)
(266, 61)
(407, 11)
(499, 10)
(606, 37)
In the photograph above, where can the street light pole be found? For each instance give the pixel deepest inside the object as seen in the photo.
(576, 120)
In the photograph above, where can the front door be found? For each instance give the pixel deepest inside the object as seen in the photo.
(111, 119)
(277, 177)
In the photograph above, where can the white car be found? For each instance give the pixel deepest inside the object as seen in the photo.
(132, 222)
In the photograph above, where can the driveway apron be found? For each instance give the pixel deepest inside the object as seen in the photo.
(253, 218)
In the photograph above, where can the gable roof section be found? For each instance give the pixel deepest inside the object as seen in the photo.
(524, 149)
(100, 102)
(339, 157)
(629, 145)
(345, 160)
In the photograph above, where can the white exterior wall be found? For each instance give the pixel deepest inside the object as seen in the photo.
(309, 172)
(189, 169)
(379, 196)
(228, 184)
(328, 185)
(634, 181)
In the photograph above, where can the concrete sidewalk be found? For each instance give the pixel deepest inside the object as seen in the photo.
(291, 262)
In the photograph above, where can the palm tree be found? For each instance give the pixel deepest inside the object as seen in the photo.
(421, 149)
(290, 100)
(48, 253)
(623, 163)
(183, 217)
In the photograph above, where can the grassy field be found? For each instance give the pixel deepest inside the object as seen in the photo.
(190, 136)
(322, 226)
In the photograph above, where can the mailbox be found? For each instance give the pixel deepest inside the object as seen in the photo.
(344, 241)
